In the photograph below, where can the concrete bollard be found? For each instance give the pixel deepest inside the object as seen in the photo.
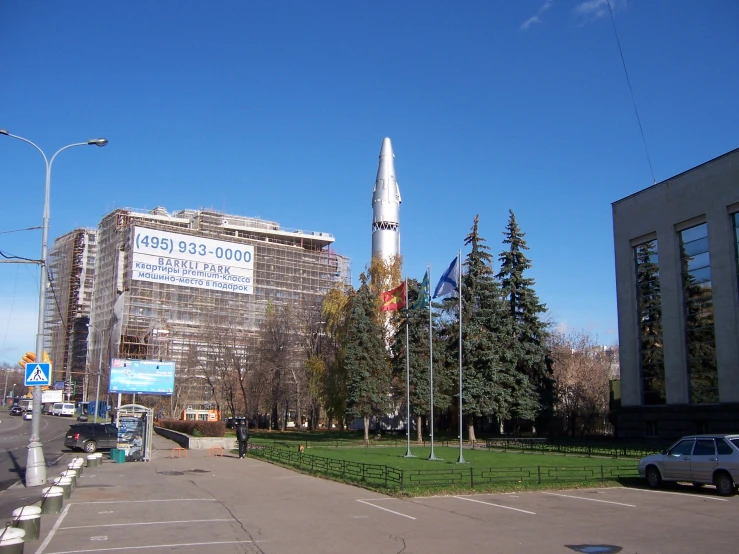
(52, 500)
(72, 474)
(91, 459)
(12, 540)
(64, 483)
(77, 466)
(98, 458)
(28, 518)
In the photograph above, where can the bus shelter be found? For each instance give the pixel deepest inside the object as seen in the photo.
(135, 431)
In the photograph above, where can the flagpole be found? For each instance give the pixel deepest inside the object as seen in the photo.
(431, 368)
(407, 377)
(459, 293)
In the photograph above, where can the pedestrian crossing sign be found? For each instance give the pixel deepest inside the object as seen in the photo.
(38, 375)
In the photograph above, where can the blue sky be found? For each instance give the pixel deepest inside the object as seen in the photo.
(278, 110)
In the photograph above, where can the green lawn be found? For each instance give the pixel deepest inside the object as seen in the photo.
(388, 470)
(395, 457)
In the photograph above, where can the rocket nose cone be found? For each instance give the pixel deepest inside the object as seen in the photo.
(387, 147)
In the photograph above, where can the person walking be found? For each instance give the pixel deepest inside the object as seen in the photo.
(242, 436)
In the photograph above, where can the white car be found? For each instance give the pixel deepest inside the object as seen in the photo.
(698, 459)
(28, 414)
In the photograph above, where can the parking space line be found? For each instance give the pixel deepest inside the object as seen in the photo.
(496, 505)
(51, 534)
(693, 495)
(385, 509)
(147, 501)
(148, 547)
(146, 523)
(590, 499)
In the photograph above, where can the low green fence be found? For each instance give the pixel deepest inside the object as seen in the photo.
(393, 478)
(524, 445)
(543, 446)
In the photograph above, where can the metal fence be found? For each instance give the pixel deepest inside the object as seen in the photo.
(392, 478)
(543, 446)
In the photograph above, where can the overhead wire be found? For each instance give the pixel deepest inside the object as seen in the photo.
(19, 230)
(13, 257)
(631, 91)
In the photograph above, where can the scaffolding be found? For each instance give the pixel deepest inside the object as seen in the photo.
(70, 264)
(139, 319)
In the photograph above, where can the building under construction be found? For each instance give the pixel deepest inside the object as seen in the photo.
(71, 266)
(164, 280)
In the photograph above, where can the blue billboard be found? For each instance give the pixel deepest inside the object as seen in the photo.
(141, 377)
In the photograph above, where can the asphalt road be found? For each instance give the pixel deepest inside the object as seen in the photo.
(14, 435)
(202, 503)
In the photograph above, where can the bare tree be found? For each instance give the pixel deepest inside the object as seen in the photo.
(224, 359)
(582, 372)
(277, 355)
(310, 339)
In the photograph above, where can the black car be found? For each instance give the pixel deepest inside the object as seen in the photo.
(91, 436)
(16, 410)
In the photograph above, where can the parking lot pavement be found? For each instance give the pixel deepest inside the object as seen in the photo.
(202, 503)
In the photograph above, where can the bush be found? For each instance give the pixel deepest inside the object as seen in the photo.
(195, 428)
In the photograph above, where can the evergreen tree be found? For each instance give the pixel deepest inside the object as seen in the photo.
(419, 362)
(492, 384)
(366, 360)
(524, 312)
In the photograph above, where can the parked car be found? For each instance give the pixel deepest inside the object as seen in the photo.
(697, 459)
(16, 410)
(91, 436)
(232, 422)
(28, 414)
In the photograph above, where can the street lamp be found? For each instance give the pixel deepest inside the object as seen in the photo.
(35, 463)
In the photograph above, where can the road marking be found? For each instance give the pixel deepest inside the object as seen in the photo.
(146, 523)
(590, 499)
(145, 501)
(699, 497)
(385, 509)
(53, 530)
(496, 505)
(100, 538)
(150, 546)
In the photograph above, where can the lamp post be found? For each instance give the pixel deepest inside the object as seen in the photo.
(5, 390)
(35, 463)
(98, 333)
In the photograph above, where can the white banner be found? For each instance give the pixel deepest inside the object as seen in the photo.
(50, 396)
(184, 260)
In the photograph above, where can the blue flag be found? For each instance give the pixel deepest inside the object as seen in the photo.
(423, 294)
(448, 282)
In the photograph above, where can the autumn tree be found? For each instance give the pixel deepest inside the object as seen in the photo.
(582, 371)
(334, 392)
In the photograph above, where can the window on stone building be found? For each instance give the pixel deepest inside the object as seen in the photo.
(649, 305)
(700, 336)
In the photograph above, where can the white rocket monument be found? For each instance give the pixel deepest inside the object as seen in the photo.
(386, 206)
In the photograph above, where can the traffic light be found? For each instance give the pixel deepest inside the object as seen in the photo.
(30, 357)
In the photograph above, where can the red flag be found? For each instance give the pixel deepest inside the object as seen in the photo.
(394, 299)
